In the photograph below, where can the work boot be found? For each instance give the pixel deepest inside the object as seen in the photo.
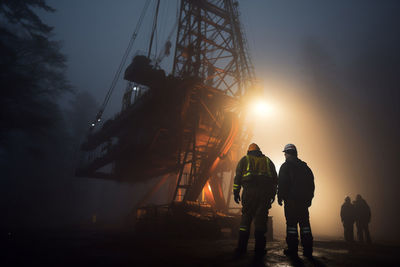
(307, 243)
(308, 253)
(291, 253)
(292, 242)
(242, 244)
(259, 248)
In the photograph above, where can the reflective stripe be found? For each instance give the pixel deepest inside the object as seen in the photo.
(243, 229)
(236, 187)
(291, 230)
(248, 167)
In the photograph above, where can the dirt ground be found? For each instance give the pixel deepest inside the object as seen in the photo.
(83, 247)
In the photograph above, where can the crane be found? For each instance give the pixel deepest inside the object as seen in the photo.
(187, 128)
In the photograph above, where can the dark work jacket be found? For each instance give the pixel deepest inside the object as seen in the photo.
(362, 211)
(269, 183)
(347, 213)
(296, 181)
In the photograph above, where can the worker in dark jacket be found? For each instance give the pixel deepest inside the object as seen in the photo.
(296, 189)
(363, 218)
(347, 216)
(257, 175)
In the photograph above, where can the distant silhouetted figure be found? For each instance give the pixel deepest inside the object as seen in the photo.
(296, 189)
(347, 215)
(363, 218)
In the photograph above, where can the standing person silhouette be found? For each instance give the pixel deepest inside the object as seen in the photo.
(363, 218)
(256, 174)
(296, 189)
(347, 216)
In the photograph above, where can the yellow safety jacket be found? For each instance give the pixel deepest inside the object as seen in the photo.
(250, 166)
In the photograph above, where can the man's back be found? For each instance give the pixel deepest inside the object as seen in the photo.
(255, 169)
(296, 180)
(362, 209)
(347, 212)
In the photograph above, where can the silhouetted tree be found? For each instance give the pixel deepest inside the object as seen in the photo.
(34, 143)
(31, 71)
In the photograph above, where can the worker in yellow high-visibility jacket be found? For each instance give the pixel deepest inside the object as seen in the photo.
(257, 175)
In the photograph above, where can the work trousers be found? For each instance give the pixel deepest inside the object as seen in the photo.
(297, 213)
(256, 203)
(256, 197)
(348, 231)
(362, 229)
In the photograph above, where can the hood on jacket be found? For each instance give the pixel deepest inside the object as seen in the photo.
(256, 153)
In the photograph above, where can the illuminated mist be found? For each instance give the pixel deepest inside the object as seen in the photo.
(297, 121)
(345, 128)
(338, 105)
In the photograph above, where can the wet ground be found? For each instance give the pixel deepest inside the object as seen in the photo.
(125, 248)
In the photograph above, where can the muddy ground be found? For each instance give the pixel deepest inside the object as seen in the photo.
(83, 247)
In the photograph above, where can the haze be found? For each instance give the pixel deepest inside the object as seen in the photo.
(331, 70)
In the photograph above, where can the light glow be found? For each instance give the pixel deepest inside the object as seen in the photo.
(263, 108)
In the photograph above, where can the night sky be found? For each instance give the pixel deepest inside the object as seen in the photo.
(331, 70)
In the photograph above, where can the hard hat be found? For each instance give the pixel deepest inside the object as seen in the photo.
(253, 146)
(289, 147)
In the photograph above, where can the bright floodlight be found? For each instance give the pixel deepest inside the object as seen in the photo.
(262, 108)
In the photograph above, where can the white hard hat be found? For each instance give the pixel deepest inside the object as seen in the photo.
(289, 147)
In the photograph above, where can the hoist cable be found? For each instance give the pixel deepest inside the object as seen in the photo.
(122, 63)
(154, 28)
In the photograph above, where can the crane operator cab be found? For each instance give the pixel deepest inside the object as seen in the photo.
(141, 71)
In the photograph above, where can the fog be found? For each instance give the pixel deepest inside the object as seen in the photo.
(331, 71)
(345, 124)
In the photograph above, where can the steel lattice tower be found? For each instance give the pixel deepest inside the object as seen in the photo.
(210, 46)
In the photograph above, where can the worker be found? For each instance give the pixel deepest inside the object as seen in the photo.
(363, 218)
(347, 216)
(257, 175)
(296, 190)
